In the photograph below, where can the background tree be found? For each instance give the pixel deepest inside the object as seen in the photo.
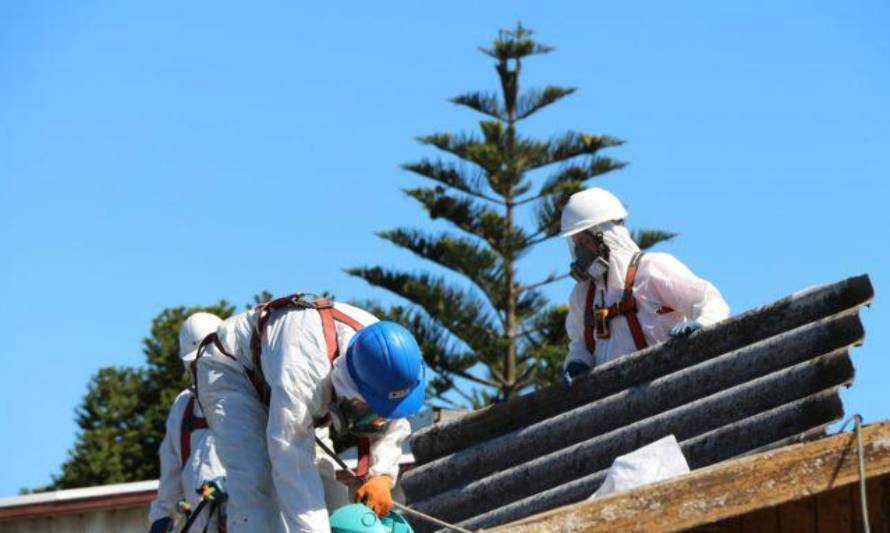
(500, 336)
(122, 417)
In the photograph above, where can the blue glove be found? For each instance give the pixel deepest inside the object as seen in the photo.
(574, 370)
(685, 327)
(161, 525)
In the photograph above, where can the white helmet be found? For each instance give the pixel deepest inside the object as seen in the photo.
(589, 208)
(193, 330)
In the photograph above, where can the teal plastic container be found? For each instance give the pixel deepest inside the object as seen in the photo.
(359, 518)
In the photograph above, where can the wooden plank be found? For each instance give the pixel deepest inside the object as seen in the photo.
(761, 521)
(725, 490)
(877, 505)
(885, 505)
(798, 516)
(730, 525)
(833, 511)
(856, 507)
(875, 502)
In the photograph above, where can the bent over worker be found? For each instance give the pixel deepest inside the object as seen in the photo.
(278, 371)
(624, 300)
(187, 453)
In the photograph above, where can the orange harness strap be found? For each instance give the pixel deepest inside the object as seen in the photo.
(627, 307)
(589, 325)
(190, 423)
(330, 316)
(628, 304)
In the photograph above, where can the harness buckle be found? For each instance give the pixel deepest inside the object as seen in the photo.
(308, 300)
(601, 318)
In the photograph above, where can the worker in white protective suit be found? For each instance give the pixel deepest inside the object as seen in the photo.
(624, 300)
(187, 453)
(272, 374)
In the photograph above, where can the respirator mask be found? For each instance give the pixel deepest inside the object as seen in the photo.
(586, 264)
(355, 417)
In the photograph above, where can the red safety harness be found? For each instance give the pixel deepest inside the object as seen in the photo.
(330, 317)
(626, 307)
(190, 423)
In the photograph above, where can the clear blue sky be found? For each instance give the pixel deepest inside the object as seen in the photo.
(166, 153)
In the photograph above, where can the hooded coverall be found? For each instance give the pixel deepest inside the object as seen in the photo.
(666, 293)
(270, 453)
(181, 477)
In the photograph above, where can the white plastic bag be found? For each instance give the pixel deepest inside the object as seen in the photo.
(659, 460)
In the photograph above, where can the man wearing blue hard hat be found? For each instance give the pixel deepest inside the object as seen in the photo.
(272, 375)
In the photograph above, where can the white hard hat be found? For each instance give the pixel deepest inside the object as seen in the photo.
(589, 208)
(193, 330)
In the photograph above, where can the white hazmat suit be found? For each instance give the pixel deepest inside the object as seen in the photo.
(666, 292)
(182, 477)
(270, 453)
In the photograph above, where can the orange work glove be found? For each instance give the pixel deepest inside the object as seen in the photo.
(376, 493)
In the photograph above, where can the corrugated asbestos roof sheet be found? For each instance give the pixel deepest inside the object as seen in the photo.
(765, 378)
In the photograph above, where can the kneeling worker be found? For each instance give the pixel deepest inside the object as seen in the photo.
(625, 300)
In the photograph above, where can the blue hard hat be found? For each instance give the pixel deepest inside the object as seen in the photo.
(386, 364)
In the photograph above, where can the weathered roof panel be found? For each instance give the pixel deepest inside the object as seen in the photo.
(767, 376)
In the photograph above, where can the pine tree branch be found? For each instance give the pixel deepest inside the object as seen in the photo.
(568, 146)
(467, 147)
(549, 210)
(459, 312)
(431, 337)
(435, 341)
(646, 239)
(452, 176)
(496, 374)
(447, 404)
(524, 379)
(479, 264)
(538, 237)
(552, 278)
(528, 303)
(535, 100)
(515, 44)
(468, 376)
(460, 392)
(479, 221)
(571, 178)
(483, 102)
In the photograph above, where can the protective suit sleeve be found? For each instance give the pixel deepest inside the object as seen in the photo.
(677, 287)
(575, 328)
(170, 483)
(386, 449)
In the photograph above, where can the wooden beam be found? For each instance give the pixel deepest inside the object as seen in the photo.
(725, 490)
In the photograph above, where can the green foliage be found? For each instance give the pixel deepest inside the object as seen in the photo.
(497, 335)
(109, 448)
(649, 238)
(122, 417)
